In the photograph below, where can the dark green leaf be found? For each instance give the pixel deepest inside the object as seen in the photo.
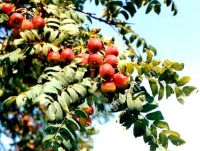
(161, 92)
(149, 8)
(169, 91)
(139, 129)
(157, 115)
(149, 107)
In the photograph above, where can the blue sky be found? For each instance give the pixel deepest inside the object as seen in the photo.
(176, 38)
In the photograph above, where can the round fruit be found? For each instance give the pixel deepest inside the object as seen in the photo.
(84, 58)
(95, 60)
(16, 32)
(108, 87)
(85, 122)
(106, 71)
(121, 81)
(38, 22)
(27, 25)
(16, 20)
(112, 59)
(67, 55)
(88, 110)
(94, 45)
(7, 8)
(53, 57)
(112, 50)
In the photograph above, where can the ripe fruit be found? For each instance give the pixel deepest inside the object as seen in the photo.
(67, 55)
(112, 50)
(7, 8)
(106, 71)
(85, 122)
(27, 25)
(94, 45)
(38, 22)
(108, 87)
(88, 110)
(112, 59)
(16, 20)
(53, 57)
(84, 58)
(121, 80)
(95, 60)
(16, 32)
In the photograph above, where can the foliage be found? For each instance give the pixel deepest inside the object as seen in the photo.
(42, 102)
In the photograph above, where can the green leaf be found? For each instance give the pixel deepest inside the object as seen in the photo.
(51, 114)
(169, 91)
(63, 104)
(161, 124)
(139, 129)
(161, 92)
(157, 115)
(48, 137)
(80, 89)
(149, 56)
(9, 101)
(149, 107)
(187, 90)
(170, 132)
(157, 8)
(163, 139)
(73, 95)
(71, 121)
(80, 113)
(149, 8)
(176, 140)
(182, 81)
(177, 66)
(65, 130)
(21, 100)
(154, 87)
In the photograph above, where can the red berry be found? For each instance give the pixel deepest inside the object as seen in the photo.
(108, 87)
(95, 60)
(84, 58)
(53, 57)
(27, 25)
(112, 59)
(38, 22)
(94, 45)
(7, 8)
(88, 110)
(67, 55)
(121, 81)
(111, 51)
(16, 20)
(106, 71)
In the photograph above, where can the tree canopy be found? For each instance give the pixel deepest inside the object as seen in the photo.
(55, 70)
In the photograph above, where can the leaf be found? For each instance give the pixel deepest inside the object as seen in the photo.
(80, 113)
(48, 137)
(21, 100)
(149, 56)
(154, 131)
(161, 124)
(154, 87)
(73, 95)
(51, 114)
(80, 89)
(177, 66)
(149, 8)
(67, 131)
(161, 92)
(182, 81)
(125, 14)
(139, 129)
(170, 132)
(49, 89)
(187, 90)
(176, 140)
(157, 115)
(169, 91)
(163, 139)
(149, 107)
(9, 101)
(71, 121)
(157, 8)
(63, 104)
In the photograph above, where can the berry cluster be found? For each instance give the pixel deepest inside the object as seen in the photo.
(65, 56)
(106, 64)
(18, 22)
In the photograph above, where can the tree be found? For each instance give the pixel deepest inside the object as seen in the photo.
(55, 69)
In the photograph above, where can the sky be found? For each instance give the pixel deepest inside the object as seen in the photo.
(176, 38)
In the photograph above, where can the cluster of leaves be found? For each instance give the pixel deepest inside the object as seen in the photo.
(29, 82)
